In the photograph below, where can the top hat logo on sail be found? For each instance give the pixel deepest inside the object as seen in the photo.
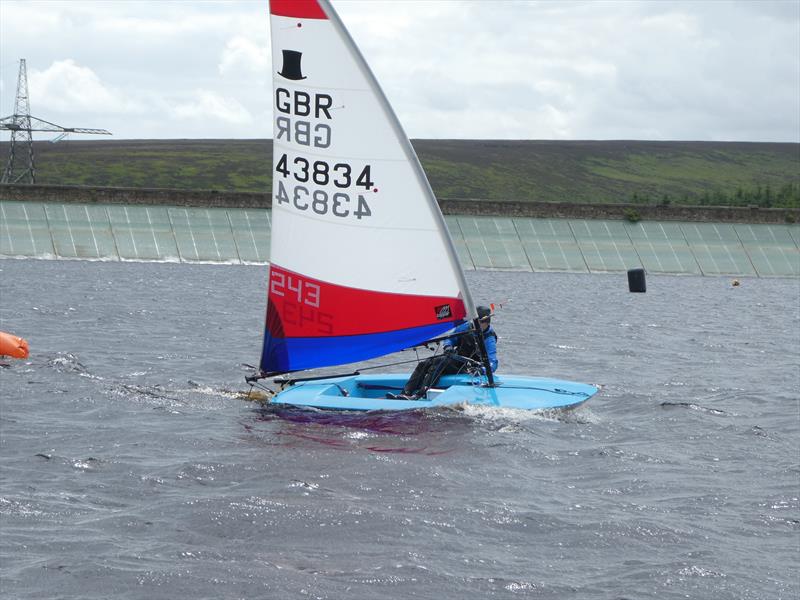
(291, 65)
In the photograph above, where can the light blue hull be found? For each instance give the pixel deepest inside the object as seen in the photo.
(368, 392)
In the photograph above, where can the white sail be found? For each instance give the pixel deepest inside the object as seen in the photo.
(356, 232)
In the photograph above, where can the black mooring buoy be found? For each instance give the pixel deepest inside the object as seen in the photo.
(636, 282)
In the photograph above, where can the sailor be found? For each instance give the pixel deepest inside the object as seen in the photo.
(460, 352)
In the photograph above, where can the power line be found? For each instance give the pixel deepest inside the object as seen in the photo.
(20, 167)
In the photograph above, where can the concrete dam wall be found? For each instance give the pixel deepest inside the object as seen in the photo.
(170, 232)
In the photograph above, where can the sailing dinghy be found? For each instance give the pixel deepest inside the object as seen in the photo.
(362, 264)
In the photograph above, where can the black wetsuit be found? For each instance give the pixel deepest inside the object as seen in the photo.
(428, 371)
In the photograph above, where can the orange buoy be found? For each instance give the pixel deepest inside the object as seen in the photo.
(13, 346)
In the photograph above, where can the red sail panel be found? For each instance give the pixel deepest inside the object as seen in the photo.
(299, 9)
(301, 306)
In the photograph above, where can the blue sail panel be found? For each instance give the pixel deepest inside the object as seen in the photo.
(281, 355)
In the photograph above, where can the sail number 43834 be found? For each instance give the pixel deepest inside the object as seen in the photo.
(320, 173)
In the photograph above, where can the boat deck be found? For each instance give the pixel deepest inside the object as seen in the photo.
(371, 392)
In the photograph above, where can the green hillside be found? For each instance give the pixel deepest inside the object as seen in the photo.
(733, 173)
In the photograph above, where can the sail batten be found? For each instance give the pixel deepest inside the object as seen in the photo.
(362, 262)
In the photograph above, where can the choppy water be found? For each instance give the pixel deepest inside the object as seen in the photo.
(130, 469)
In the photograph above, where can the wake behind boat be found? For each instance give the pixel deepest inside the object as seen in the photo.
(362, 264)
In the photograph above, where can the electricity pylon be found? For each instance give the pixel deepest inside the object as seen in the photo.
(20, 167)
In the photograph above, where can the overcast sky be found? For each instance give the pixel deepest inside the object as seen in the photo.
(655, 70)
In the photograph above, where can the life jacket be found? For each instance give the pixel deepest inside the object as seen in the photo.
(468, 347)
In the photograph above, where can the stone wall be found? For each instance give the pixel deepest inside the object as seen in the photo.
(565, 210)
(66, 194)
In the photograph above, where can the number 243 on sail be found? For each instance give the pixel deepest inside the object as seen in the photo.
(321, 203)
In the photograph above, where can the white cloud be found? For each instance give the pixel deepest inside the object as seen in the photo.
(242, 53)
(207, 105)
(68, 87)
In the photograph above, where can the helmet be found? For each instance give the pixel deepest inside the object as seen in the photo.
(484, 313)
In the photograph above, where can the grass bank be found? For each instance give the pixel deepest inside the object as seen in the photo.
(595, 172)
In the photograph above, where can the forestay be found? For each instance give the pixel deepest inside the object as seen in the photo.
(361, 261)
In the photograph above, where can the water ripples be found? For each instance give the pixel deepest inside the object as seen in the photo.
(131, 465)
